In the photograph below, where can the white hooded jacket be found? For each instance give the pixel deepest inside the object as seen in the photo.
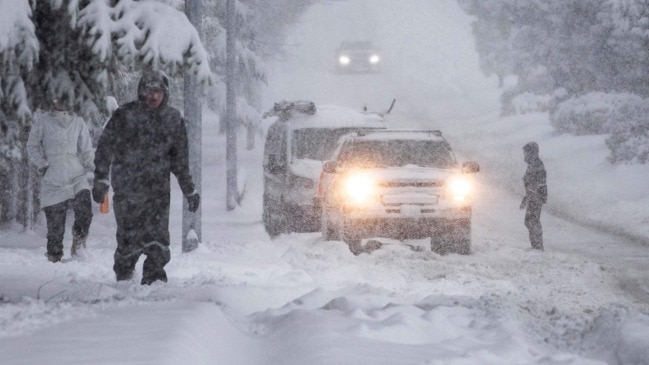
(61, 142)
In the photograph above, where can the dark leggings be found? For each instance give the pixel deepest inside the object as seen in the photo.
(533, 223)
(55, 216)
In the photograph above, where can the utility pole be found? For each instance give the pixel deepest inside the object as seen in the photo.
(193, 114)
(231, 108)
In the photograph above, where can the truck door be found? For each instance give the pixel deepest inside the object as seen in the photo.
(275, 161)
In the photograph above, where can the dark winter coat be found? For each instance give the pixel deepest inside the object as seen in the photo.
(534, 179)
(141, 147)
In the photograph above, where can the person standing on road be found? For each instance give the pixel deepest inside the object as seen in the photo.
(536, 193)
(59, 145)
(143, 143)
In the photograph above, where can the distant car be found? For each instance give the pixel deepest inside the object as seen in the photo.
(397, 184)
(297, 143)
(357, 56)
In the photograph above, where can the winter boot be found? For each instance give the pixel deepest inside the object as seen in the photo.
(150, 277)
(78, 245)
(56, 257)
(123, 276)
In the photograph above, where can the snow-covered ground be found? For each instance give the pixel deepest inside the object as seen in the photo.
(241, 298)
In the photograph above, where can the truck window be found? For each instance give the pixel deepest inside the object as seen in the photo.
(317, 143)
(275, 145)
(396, 153)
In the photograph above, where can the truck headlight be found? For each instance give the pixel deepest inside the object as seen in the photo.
(344, 60)
(358, 188)
(460, 188)
(374, 59)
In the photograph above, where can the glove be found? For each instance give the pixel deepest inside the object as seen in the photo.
(194, 200)
(99, 191)
(523, 204)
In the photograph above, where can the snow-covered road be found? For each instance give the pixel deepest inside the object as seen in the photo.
(242, 298)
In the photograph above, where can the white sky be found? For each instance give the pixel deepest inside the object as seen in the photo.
(244, 299)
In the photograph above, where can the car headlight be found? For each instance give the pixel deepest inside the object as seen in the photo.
(358, 188)
(374, 59)
(460, 188)
(344, 60)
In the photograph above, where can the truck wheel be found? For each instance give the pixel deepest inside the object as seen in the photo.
(438, 243)
(352, 239)
(273, 220)
(453, 237)
(328, 232)
(461, 239)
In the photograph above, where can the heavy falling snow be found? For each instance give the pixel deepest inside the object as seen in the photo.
(242, 298)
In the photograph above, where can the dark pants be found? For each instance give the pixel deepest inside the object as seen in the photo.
(55, 216)
(533, 223)
(142, 228)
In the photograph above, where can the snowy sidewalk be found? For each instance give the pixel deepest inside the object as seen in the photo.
(173, 333)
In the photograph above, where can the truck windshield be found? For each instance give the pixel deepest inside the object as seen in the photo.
(317, 143)
(396, 153)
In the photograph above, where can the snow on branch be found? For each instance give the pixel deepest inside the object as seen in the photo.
(17, 34)
(148, 32)
(74, 47)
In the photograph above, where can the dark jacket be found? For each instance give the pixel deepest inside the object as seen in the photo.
(535, 180)
(140, 147)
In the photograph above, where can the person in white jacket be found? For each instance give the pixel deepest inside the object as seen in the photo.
(59, 145)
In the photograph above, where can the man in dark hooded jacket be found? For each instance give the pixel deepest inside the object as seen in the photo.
(536, 193)
(143, 143)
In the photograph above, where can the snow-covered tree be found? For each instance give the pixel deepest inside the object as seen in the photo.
(72, 49)
(583, 47)
(76, 50)
(261, 27)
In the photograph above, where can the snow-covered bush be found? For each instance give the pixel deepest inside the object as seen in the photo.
(533, 103)
(629, 140)
(530, 103)
(596, 113)
(533, 92)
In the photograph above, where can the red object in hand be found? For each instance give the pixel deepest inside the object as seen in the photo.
(104, 207)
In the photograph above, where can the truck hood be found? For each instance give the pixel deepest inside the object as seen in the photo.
(411, 175)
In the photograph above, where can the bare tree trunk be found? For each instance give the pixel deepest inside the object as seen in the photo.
(35, 187)
(27, 186)
(250, 142)
(23, 196)
(194, 118)
(232, 197)
(6, 188)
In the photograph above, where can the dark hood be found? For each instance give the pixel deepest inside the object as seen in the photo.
(156, 79)
(531, 152)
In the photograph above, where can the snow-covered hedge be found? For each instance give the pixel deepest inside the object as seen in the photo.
(528, 102)
(595, 113)
(624, 116)
(629, 140)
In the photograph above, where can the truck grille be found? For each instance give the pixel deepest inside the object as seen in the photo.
(407, 184)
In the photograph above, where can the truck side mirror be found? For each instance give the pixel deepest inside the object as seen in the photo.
(329, 167)
(470, 167)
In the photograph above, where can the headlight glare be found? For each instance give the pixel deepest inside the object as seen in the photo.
(344, 60)
(374, 59)
(359, 188)
(460, 188)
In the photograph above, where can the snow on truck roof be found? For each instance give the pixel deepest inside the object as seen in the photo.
(330, 116)
(305, 115)
(400, 134)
